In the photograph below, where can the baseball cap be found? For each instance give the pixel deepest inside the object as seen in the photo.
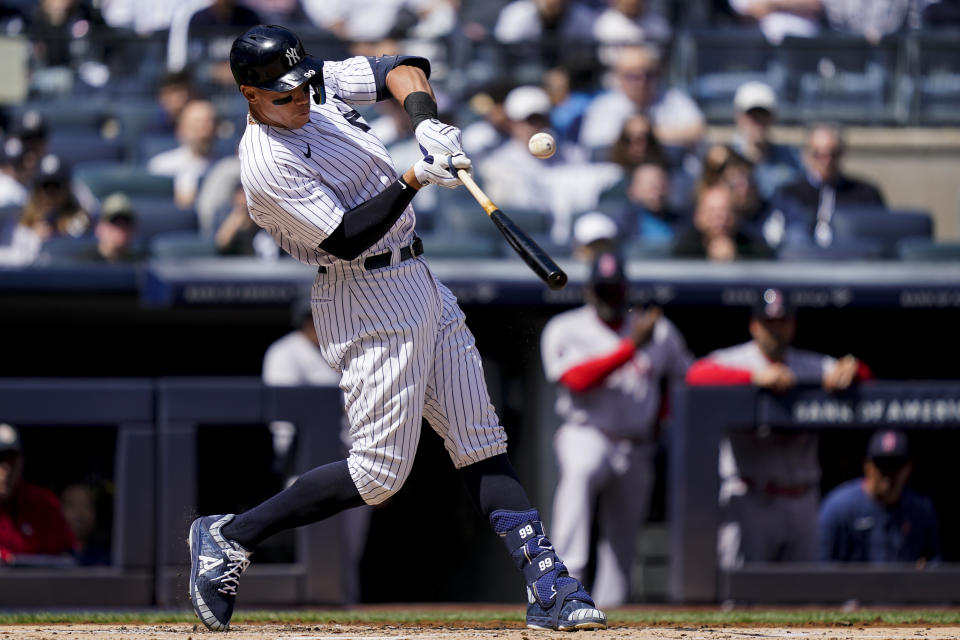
(594, 226)
(888, 449)
(52, 170)
(772, 305)
(9, 438)
(526, 101)
(755, 95)
(117, 207)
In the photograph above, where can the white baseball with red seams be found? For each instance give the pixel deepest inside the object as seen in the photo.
(542, 145)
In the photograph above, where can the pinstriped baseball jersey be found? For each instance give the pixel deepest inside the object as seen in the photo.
(394, 332)
(300, 182)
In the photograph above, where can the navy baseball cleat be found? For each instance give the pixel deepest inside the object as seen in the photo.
(557, 601)
(215, 567)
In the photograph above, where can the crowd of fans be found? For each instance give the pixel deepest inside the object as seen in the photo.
(632, 145)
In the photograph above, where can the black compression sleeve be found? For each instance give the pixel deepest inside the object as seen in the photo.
(421, 107)
(366, 223)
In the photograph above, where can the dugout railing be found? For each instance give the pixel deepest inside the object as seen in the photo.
(703, 415)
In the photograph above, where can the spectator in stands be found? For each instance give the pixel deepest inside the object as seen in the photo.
(196, 133)
(54, 26)
(80, 508)
(12, 190)
(51, 211)
(716, 233)
(774, 165)
(803, 208)
(493, 129)
(608, 361)
(295, 360)
(32, 528)
(778, 19)
(278, 11)
(594, 233)
(769, 481)
(238, 235)
(723, 165)
(202, 35)
(626, 22)
(175, 91)
(645, 214)
(116, 231)
(877, 518)
(872, 19)
(34, 133)
(143, 17)
(677, 120)
(533, 20)
(569, 101)
(376, 20)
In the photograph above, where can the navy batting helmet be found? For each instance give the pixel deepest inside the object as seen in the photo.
(272, 58)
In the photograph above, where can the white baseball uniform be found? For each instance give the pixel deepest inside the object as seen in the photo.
(395, 333)
(606, 443)
(769, 481)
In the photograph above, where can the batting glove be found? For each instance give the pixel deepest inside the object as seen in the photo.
(441, 170)
(438, 139)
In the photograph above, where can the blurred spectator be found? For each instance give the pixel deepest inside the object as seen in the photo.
(375, 20)
(34, 134)
(79, 505)
(562, 185)
(778, 19)
(202, 35)
(32, 528)
(608, 361)
(196, 131)
(774, 164)
(569, 101)
(278, 11)
(54, 26)
(116, 230)
(877, 518)
(677, 120)
(143, 17)
(51, 211)
(645, 214)
(175, 91)
(594, 233)
(872, 19)
(803, 208)
(723, 165)
(716, 232)
(628, 22)
(533, 20)
(488, 133)
(769, 480)
(239, 235)
(637, 144)
(12, 190)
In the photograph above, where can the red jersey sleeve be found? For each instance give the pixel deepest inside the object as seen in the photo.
(592, 373)
(708, 372)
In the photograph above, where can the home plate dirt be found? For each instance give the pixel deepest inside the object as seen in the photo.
(386, 632)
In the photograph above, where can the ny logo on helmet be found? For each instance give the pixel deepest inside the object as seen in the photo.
(292, 56)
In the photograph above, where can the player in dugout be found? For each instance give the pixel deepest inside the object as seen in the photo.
(320, 181)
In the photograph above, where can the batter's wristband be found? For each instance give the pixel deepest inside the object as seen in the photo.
(420, 106)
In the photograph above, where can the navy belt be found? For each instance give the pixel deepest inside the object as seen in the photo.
(382, 260)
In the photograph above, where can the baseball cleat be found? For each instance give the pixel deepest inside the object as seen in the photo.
(215, 567)
(557, 601)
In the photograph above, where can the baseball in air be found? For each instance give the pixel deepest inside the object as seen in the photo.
(542, 145)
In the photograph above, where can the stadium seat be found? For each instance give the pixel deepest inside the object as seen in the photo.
(937, 77)
(67, 249)
(839, 250)
(150, 145)
(181, 244)
(880, 225)
(157, 215)
(926, 250)
(460, 245)
(640, 250)
(104, 179)
(9, 216)
(77, 146)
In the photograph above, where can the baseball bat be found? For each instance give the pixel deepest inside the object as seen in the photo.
(535, 257)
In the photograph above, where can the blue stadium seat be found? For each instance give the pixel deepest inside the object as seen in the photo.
(151, 144)
(640, 250)
(158, 215)
(880, 225)
(937, 77)
(104, 179)
(840, 250)
(78, 146)
(66, 249)
(182, 244)
(460, 245)
(926, 250)
(9, 216)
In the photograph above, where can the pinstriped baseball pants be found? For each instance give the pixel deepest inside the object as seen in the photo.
(399, 339)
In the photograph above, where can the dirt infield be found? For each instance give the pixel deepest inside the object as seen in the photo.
(388, 632)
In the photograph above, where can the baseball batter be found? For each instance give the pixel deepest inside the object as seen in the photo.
(320, 182)
(770, 480)
(608, 362)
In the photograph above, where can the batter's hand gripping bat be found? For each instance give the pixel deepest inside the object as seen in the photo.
(538, 260)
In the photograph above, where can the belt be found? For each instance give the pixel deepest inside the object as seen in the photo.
(382, 260)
